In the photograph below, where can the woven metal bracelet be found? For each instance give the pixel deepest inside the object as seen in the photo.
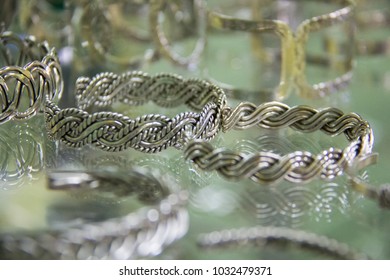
(30, 74)
(148, 133)
(140, 234)
(297, 167)
(264, 237)
(293, 41)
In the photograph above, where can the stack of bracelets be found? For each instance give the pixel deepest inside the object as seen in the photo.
(31, 84)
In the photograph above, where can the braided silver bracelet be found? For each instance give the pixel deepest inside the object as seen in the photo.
(30, 73)
(140, 234)
(279, 236)
(297, 167)
(148, 133)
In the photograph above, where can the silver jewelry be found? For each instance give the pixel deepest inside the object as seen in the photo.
(31, 73)
(297, 167)
(279, 236)
(143, 233)
(148, 133)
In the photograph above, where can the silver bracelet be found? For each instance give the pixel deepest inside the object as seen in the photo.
(30, 75)
(297, 167)
(140, 234)
(279, 236)
(148, 133)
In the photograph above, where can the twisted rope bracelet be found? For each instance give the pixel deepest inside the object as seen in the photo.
(31, 75)
(143, 233)
(148, 133)
(268, 236)
(297, 167)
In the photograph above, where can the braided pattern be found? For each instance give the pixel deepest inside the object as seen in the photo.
(299, 166)
(268, 236)
(32, 74)
(274, 115)
(148, 133)
(139, 234)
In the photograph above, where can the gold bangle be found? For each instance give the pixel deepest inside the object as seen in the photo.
(293, 47)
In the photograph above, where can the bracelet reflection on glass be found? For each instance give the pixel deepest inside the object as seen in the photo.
(148, 133)
(31, 74)
(293, 47)
(24, 152)
(279, 236)
(143, 233)
(297, 167)
(162, 42)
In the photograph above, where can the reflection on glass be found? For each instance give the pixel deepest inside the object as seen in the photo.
(23, 152)
(142, 233)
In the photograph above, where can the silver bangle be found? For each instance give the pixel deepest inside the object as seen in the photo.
(32, 74)
(297, 167)
(148, 133)
(279, 236)
(143, 233)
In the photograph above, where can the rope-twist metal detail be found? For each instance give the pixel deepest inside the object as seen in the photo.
(299, 166)
(148, 133)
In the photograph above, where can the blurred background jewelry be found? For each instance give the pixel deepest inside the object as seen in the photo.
(280, 36)
(7, 13)
(297, 167)
(143, 233)
(372, 21)
(116, 34)
(29, 74)
(279, 237)
(148, 133)
(192, 11)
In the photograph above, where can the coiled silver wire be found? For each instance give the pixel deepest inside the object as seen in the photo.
(300, 166)
(148, 133)
(143, 233)
(30, 73)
